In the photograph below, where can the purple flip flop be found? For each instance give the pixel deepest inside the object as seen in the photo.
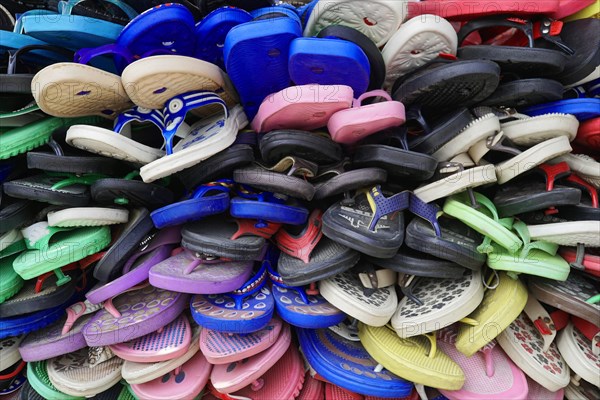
(134, 314)
(184, 272)
(151, 251)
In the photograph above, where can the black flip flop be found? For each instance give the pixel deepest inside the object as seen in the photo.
(314, 147)
(49, 295)
(439, 131)
(525, 92)
(524, 61)
(443, 237)
(73, 164)
(103, 10)
(376, 232)
(443, 84)
(276, 182)
(135, 231)
(412, 262)
(335, 179)
(16, 213)
(399, 162)
(588, 208)
(128, 191)
(307, 256)
(220, 237)
(219, 166)
(376, 62)
(48, 189)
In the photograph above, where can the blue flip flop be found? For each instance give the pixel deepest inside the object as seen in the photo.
(582, 108)
(280, 10)
(328, 61)
(212, 30)
(347, 364)
(255, 47)
(74, 31)
(245, 310)
(31, 322)
(298, 308)
(164, 29)
(200, 205)
(265, 206)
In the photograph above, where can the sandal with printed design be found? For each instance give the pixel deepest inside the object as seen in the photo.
(302, 307)
(231, 377)
(489, 371)
(347, 364)
(416, 359)
(169, 342)
(501, 305)
(186, 272)
(369, 222)
(306, 256)
(185, 382)
(40, 384)
(434, 303)
(154, 308)
(225, 348)
(528, 341)
(244, 310)
(234, 239)
(208, 199)
(579, 354)
(315, 103)
(9, 351)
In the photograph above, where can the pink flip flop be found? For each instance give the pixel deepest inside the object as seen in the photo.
(224, 348)
(489, 374)
(183, 383)
(353, 124)
(135, 271)
(312, 389)
(283, 381)
(229, 378)
(186, 273)
(333, 392)
(134, 314)
(167, 343)
(305, 107)
(538, 392)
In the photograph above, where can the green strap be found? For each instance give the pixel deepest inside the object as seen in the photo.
(72, 179)
(486, 246)
(594, 299)
(528, 245)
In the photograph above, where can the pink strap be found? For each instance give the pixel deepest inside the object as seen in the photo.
(110, 307)
(489, 361)
(76, 311)
(372, 93)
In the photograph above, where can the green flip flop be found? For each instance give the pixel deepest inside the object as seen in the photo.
(10, 281)
(57, 248)
(535, 258)
(37, 375)
(484, 220)
(21, 139)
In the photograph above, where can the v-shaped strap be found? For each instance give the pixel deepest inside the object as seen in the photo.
(253, 285)
(382, 206)
(301, 246)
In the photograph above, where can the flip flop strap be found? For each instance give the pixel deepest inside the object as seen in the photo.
(14, 54)
(87, 54)
(428, 211)
(541, 320)
(252, 286)
(278, 281)
(177, 107)
(382, 206)
(302, 246)
(248, 227)
(139, 114)
(72, 179)
(38, 235)
(223, 185)
(36, 12)
(521, 228)
(356, 103)
(65, 7)
(592, 191)
(168, 236)
(295, 166)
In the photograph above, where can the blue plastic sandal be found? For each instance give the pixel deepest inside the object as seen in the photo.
(246, 310)
(253, 48)
(582, 108)
(328, 61)
(265, 206)
(212, 30)
(202, 203)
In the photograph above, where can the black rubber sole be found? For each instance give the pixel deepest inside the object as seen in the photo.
(442, 131)
(512, 200)
(138, 193)
(397, 162)
(276, 145)
(16, 83)
(275, 182)
(39, 188)
(18, 214)
(74, 164)
(525, 92)
(350, 180)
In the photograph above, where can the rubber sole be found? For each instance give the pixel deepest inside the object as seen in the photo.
(276, 145)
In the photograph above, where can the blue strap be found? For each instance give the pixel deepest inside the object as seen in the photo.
(382, 205)
(253, 285)
(177, 107)
(278, 281)
(222, 185)
(427, 211)
(139, 114)
(39, 13)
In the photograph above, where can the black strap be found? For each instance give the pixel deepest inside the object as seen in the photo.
(14, 55)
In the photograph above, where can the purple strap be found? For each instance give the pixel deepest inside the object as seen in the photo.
(387, 205)
(427, 211)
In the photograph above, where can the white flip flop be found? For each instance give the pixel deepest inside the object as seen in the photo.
(150, 82)
(418, 41)
(377, 19)
(9, 238)
(345, 291)
(577, 351)
(568, 233)
(445, 301)
(9, 351)
(531, 158)
(585, 166)
(77, 90)
(88, 216)
(204, 138)
(529, 131)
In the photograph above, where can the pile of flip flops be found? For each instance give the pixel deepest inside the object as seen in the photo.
(341, 199)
